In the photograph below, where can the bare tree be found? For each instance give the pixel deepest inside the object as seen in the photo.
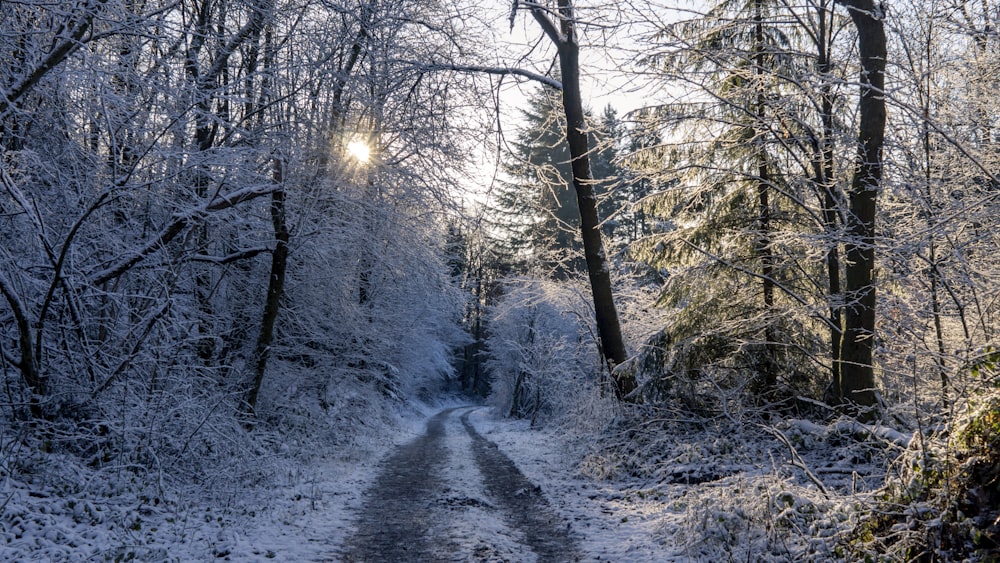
(565, 38)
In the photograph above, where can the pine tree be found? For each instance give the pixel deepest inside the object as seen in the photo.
(538, 206)
(729, 176)
(537, 209)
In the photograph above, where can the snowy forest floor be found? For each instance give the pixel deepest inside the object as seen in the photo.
(662, 491)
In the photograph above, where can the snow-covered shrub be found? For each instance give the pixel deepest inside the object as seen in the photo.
(943, 499)
(758, 518)
(730, 492)
(541, 352)
(369, 299)
(711, 353)
(645, 444)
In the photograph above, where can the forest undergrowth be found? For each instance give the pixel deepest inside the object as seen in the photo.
(201, 486)
(748, 486)
(811, 485)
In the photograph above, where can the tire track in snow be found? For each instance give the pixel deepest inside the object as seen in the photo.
(400, 508)
(427, 505)
(474, 527)
(526, 507)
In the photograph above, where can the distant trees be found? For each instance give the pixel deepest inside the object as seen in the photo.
(541, 353)
(537, 208)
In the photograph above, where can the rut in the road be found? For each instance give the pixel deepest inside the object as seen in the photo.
(400, 524)
(399, 508)
(526, 508)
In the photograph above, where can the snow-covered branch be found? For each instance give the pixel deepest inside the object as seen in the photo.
(63, 46)
(179, 222)
(497, 70)
(232, 257)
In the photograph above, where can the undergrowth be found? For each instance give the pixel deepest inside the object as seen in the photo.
(943, 504)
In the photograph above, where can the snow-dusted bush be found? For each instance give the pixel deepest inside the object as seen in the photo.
(369, 299)
(715, 344)
(757, 518)
(541, 351)
(941, 499)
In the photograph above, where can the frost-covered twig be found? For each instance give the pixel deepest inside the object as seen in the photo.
(497, 70)
(179, 222)
(796, 460)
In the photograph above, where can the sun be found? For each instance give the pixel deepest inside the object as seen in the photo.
(359, 150)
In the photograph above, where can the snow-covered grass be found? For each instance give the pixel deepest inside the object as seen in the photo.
(644, 487)
(701, 490)
(606, 528)
(55, 508)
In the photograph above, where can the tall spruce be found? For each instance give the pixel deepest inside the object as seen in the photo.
(537, 208)
(728, 178)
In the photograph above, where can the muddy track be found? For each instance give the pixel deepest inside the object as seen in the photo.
(411, 513)
(399, 509)
(525, 506)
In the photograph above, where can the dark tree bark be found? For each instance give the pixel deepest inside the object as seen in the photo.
(30, 372)
(857, 378)
(823, 178)
(764, 235)
(608, 325)
(275, 286)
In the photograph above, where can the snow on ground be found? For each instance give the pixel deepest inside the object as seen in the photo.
(728, 492)
(471, 512)
(704, 496)
(313, 512)
(608, 526)
(303, 514)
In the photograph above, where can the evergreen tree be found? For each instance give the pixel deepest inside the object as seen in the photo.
(725, 203)
(743, 204)
(537, 209)
(538, 206)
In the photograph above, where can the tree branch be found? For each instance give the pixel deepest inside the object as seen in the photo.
(180, 221)
(230, 258)
(539, 13)
(795, 460)
(498, 70)
(59, 53)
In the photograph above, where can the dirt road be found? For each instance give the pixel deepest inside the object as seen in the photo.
(452, 495)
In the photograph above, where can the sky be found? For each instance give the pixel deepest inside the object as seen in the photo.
(606, 58)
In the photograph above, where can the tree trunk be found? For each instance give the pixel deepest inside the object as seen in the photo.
(764, 236)
(30, 372)
(857, 378)
(275, 286)
(831, 200)
(932, 259)
(608, 325)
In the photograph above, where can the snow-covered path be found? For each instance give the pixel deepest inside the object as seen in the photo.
(452, 495)
(464, 485)
(532, 505)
